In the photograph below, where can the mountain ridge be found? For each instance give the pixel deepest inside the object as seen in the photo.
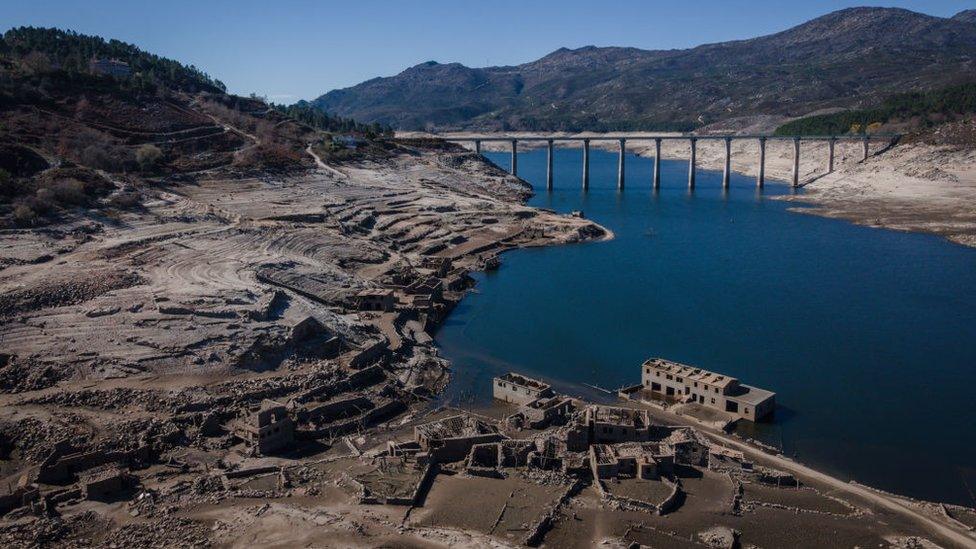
(819, 64)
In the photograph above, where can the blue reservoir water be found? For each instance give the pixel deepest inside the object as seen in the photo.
(867, 336)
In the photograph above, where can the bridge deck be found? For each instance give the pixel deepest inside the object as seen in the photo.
(645, 137)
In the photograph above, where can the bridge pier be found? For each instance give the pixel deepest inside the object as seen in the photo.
(727, 172)
(620, 164)
(477, 146)
(586, 164)
(796, 162)
(691, 163)
(761, 178)
(515, 157)
(830, 154)
(865, 148)
(549, 166)
(657, 164)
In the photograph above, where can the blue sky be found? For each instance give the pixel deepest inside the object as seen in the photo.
(292, 49)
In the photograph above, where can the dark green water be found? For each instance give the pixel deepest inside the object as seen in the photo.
(867, 336)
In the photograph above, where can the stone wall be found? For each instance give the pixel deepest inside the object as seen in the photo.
(58, 469)
(456, 449)
(538, 531)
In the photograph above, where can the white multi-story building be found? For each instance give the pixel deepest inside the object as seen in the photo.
(721, 392)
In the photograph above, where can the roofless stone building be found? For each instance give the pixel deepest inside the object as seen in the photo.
(710, 389)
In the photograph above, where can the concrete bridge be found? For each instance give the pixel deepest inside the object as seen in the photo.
(692, 139)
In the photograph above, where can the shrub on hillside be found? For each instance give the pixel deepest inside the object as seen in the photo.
(24, 216)
(269, 156)
(102, 156)
(29, 201)
(148, 157)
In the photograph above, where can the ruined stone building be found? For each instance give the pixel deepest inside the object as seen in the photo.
(520, 389)
(439, 266)
(105, 483)
(269, 430)
(721, 458)
(610, 424)
(543, 412)
(717, 391)
(451, 438)
(376, 299)
(490, 457)
(645, 460)
(432, 288)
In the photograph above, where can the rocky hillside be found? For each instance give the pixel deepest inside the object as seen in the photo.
(847, 59)
(73, 139)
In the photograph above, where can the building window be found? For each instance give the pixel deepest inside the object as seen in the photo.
(669, 376)
(679, 380)
(713, 401)
(696, 384)
(716, 390)
(658, 374)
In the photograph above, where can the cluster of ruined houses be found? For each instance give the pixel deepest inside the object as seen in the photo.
(622, 441)
(324, 410)
(424, 295)
(564, 434)
(274, 427)
(92, 475)
(616, 441)
(571, 436)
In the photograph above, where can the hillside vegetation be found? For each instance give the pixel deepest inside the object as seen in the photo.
(850, 59)
(44, 49)
(72, 141)
(321, 120)
(911, 111)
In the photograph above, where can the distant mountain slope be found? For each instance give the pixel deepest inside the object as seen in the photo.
(968, 16)
(848, 58)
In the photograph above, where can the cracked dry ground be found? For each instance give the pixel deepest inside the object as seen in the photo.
(132, 334)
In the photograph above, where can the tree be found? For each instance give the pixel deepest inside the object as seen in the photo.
(36, 62)
(148, 156)
(24, 215)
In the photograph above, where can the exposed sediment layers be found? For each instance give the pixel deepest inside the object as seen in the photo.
(909, 187)
(166, 329)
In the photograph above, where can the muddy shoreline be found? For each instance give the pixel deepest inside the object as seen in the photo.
(137, 373)
(914, 187)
